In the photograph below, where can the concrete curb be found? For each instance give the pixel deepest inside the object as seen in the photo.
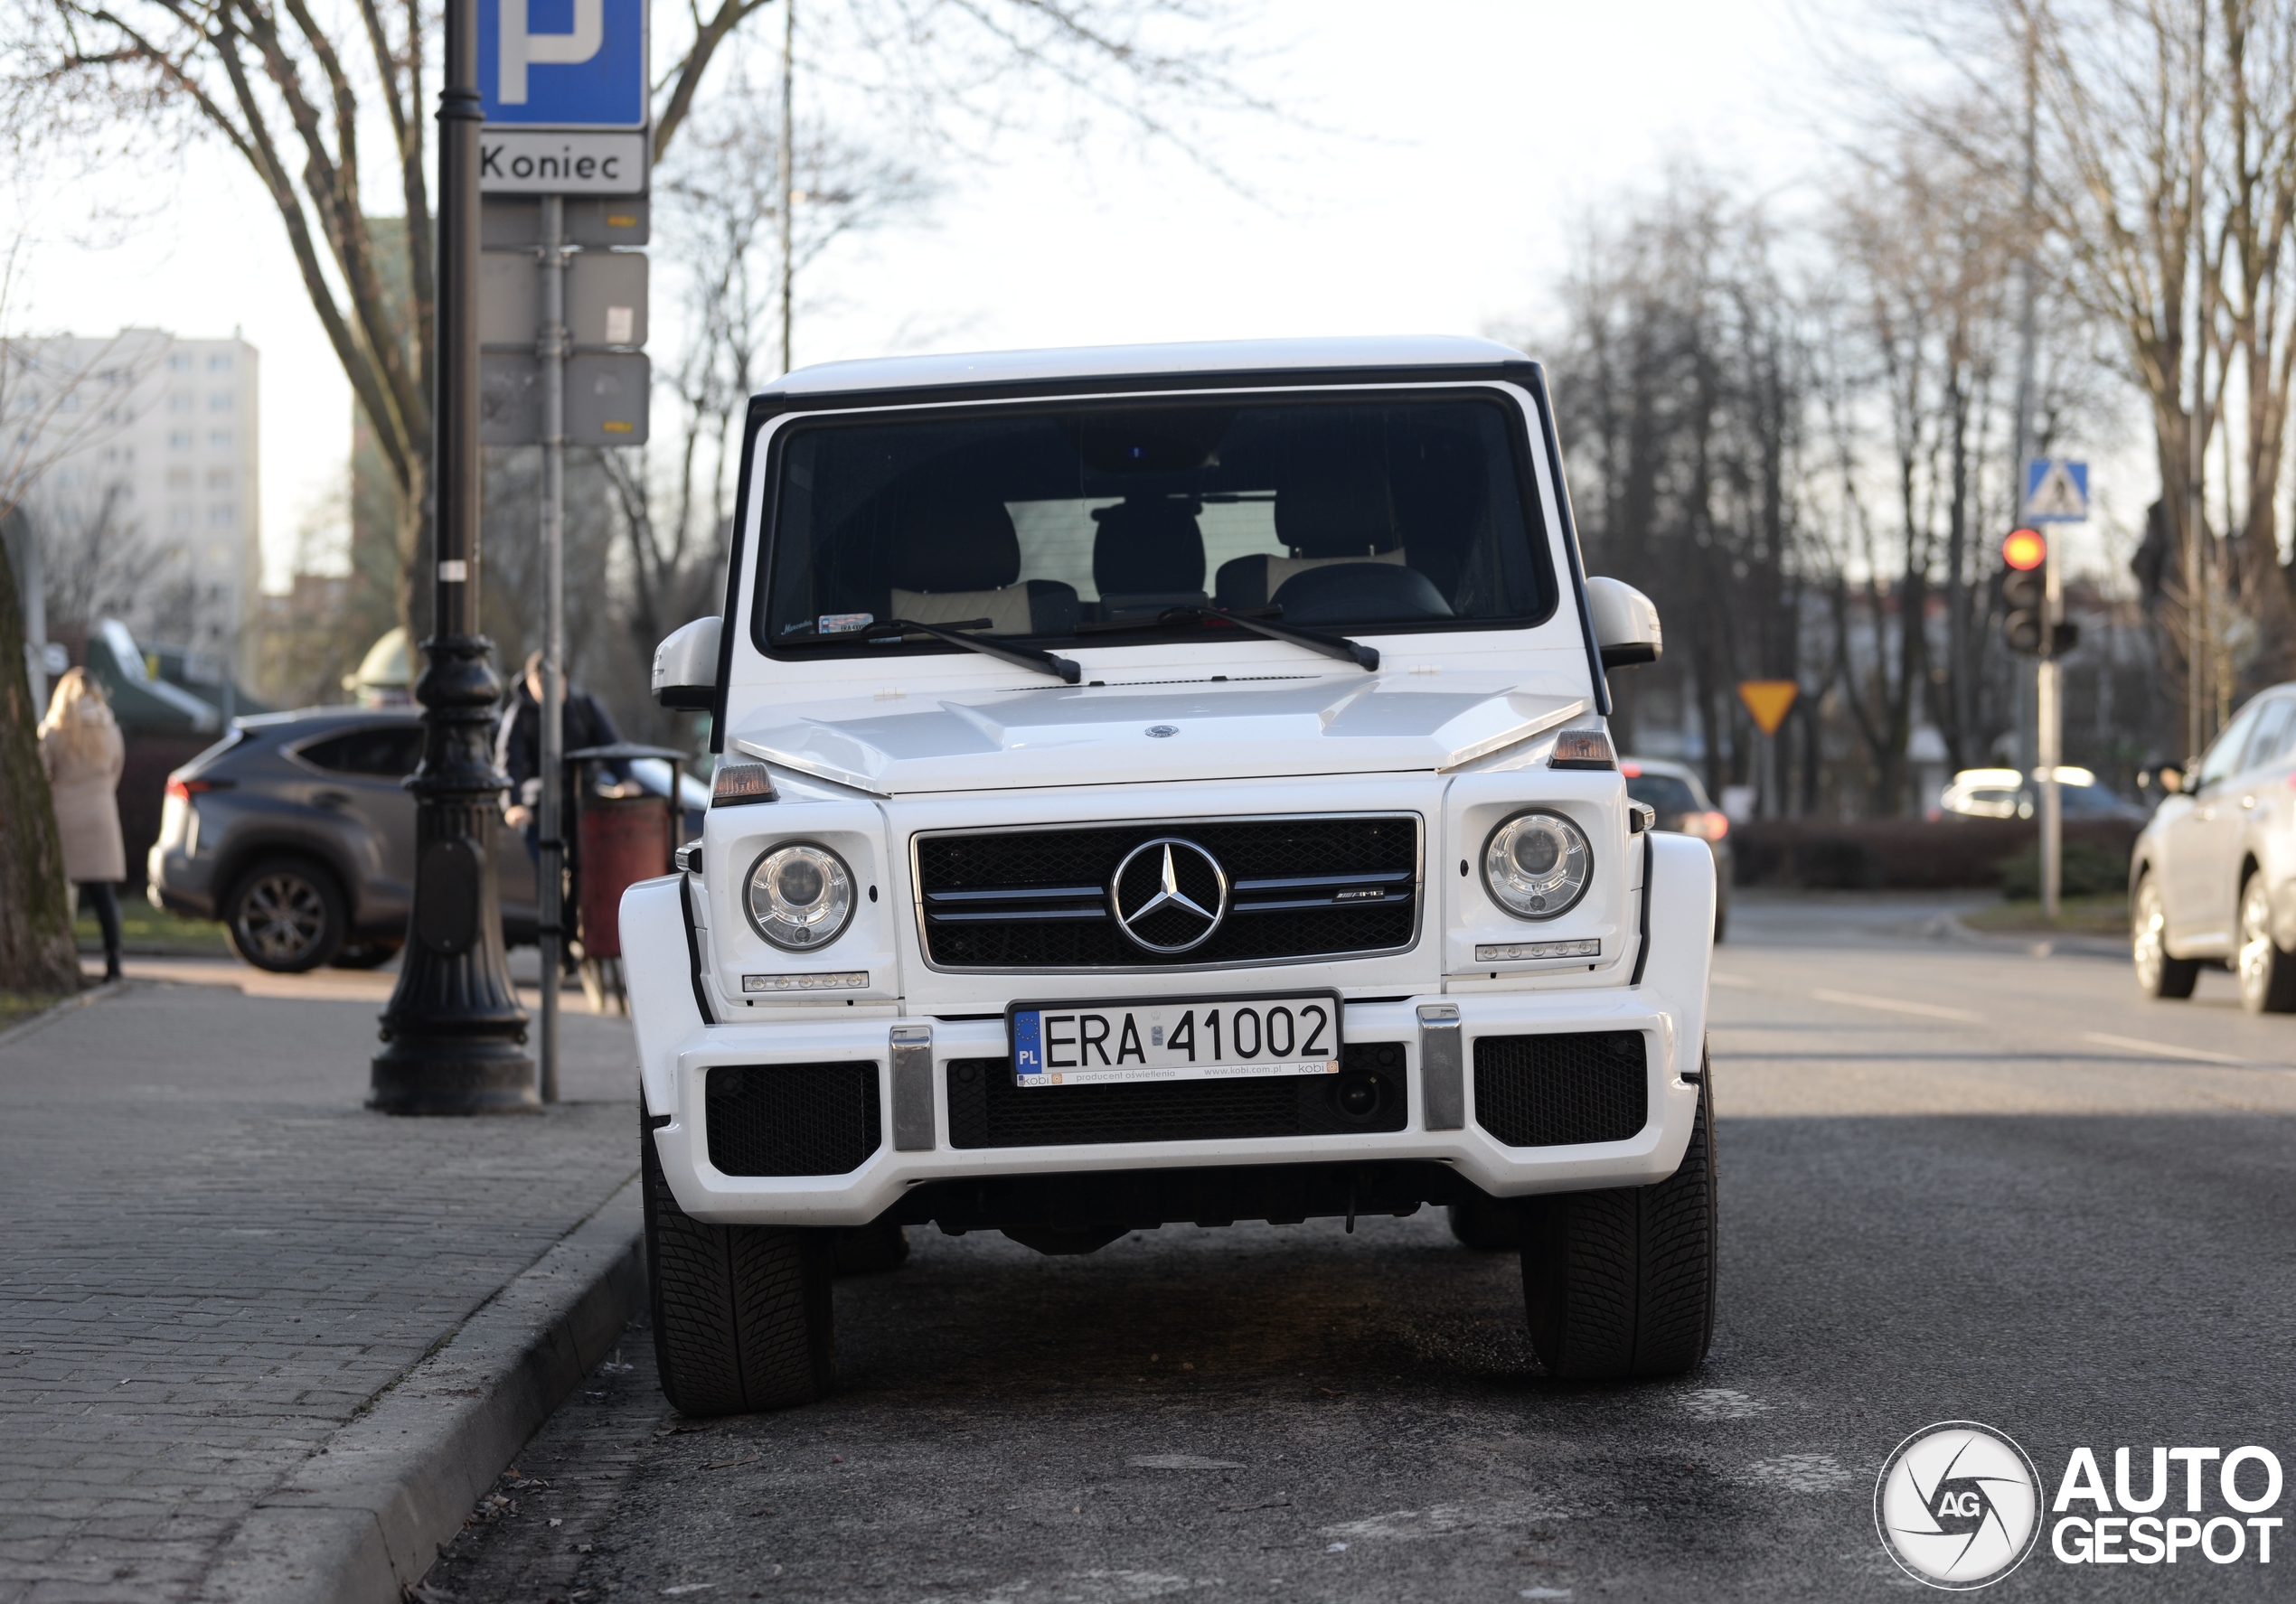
(2038, 943)
(365, 1515)
(103, 990)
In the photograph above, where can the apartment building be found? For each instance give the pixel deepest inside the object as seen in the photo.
(138, 456)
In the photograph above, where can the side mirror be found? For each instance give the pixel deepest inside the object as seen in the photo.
(685, 668)
(1626, 626)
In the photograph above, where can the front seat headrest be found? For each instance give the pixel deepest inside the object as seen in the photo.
(1147, 548)
(1342, 511)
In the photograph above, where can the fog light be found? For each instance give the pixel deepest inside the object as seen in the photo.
(1358, 1096)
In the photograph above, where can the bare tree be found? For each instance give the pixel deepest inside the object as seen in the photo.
(2116, 121)
(721, 204)
(41, 420)
(37, 953)
(288, 89)
(1682, 377)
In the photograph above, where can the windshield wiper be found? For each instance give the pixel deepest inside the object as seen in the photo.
(892, 629)
(1364, 657)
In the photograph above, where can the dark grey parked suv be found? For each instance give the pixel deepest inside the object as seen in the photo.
(296, 832)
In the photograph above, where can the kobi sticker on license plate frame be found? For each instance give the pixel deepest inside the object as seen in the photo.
(1174, 1038)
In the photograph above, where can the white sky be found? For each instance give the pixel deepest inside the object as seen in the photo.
(1466, 137)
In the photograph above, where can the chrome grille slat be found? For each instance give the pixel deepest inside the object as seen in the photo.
(982, 896)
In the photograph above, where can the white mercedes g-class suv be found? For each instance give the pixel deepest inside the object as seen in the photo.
(1156, 784)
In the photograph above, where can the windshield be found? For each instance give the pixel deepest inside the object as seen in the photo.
(1402, 514)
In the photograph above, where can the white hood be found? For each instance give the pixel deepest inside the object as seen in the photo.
(1336, 724)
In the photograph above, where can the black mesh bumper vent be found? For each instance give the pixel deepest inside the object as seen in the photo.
(986, 1110)
(1300, 889)
(792, 1119)
(1554, 1091)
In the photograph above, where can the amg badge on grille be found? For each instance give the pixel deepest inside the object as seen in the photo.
(1169, 894)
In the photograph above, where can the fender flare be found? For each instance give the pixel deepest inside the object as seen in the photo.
(665, 990)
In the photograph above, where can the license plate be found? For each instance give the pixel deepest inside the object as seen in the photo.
(1070, 1044)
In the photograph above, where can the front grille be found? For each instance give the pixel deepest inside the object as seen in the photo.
(1300, 887)
(987, 1110)
(792, 1119)
(1554, 1091)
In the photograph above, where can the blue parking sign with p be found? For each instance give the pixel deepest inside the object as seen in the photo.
(562, 63)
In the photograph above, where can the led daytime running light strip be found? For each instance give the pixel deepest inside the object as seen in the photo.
(1514, 950)
(854, 979)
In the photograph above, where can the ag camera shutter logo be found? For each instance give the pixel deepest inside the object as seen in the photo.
(1958, 1506)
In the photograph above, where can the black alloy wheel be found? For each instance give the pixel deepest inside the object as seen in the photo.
(286, 915)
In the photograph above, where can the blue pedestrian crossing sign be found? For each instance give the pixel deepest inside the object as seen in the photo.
(562, 63)
(2057, 491)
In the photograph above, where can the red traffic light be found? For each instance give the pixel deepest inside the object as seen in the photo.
(2025, 550)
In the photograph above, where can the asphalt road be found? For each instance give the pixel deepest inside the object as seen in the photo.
(1958, 1182)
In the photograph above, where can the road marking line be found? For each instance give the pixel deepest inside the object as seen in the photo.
(1928, 1009)
(2171, 1050)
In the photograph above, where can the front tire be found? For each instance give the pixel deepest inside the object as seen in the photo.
(742, 1315)
(2158, 975)
(1619, 1284)
(2267, 972)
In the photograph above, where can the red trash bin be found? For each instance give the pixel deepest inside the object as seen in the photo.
(623, 841)
(618, 840)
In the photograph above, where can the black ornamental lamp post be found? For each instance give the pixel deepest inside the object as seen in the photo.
(453, 1026)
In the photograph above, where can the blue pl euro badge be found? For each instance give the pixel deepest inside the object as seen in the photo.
(1028, 1045)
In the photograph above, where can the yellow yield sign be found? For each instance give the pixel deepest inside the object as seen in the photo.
(1769, 700)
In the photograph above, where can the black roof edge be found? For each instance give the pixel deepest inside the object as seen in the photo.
(773, 402)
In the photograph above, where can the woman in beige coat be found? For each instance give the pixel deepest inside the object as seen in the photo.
(81, 749)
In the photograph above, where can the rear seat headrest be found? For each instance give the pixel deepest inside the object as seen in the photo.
(954, 540)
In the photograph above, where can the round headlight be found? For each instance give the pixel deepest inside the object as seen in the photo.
(801, 897)
(1537, 865)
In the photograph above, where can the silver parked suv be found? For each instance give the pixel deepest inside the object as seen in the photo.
(296, 832)
(2213, 877)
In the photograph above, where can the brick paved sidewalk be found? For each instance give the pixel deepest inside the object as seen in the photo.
(210, 1257)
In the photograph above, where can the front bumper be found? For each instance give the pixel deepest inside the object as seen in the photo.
(678, 1048)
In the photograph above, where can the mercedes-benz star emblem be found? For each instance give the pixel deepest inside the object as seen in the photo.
(1169, 896)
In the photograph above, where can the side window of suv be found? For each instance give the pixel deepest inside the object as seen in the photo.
(381, 752)
(2223, 758)
(2270, 740)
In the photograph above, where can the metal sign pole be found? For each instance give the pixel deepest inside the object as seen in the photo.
(453, 1024)
(551, 348)
(2051, 709)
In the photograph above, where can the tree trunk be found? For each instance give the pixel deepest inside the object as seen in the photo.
(37, 953)
(412, 533)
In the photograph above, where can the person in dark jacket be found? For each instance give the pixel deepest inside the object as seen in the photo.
(518, 752)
